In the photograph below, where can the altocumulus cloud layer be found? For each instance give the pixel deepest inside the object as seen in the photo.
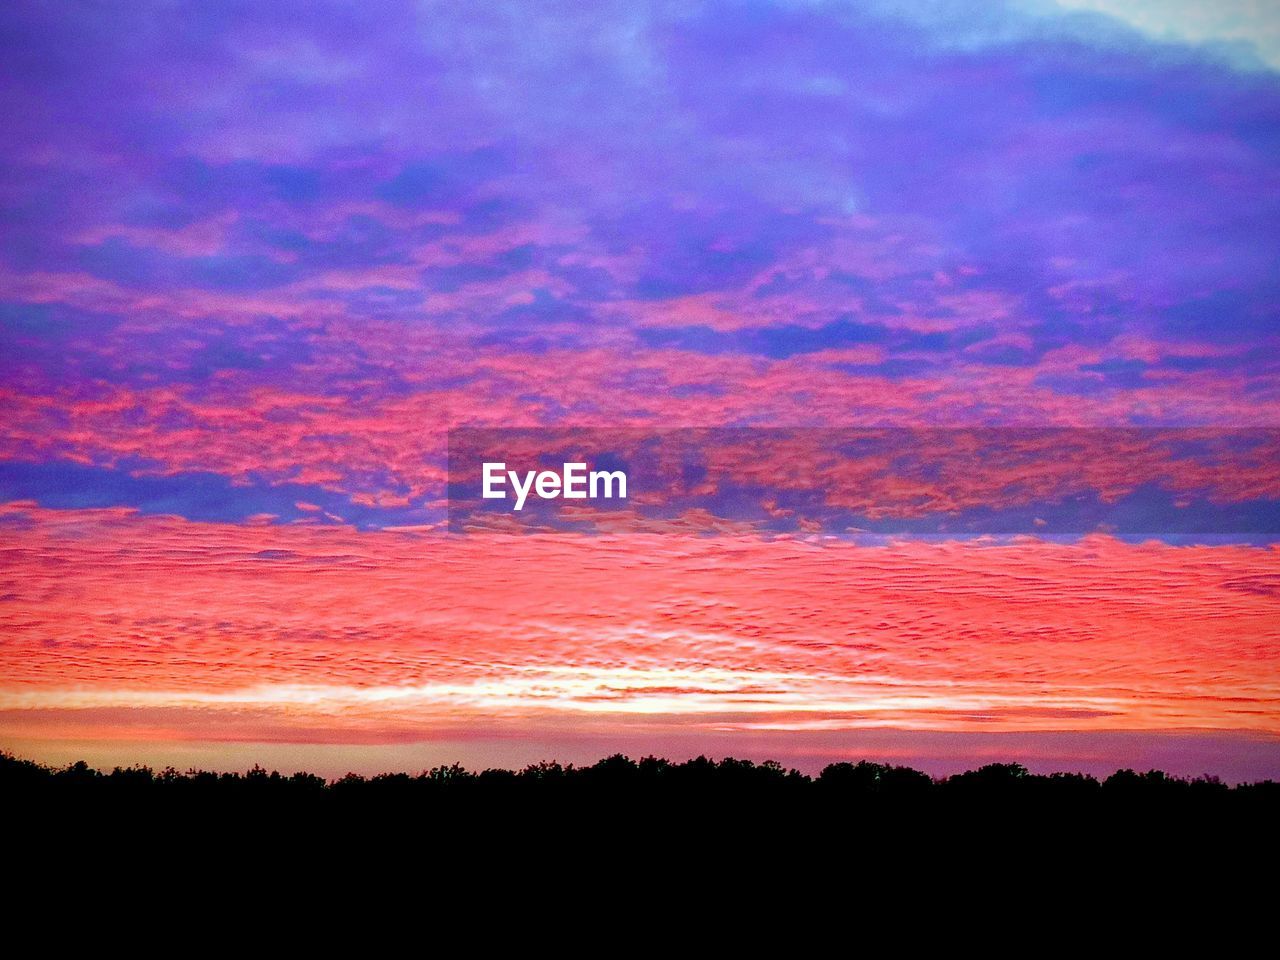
(1087, 654)
(256, 260)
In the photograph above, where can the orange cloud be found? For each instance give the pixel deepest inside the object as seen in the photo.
(166, 629)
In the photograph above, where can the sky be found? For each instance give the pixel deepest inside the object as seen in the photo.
(259, 262)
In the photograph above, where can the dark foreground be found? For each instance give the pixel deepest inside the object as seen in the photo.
(667, 827)
(654, 783)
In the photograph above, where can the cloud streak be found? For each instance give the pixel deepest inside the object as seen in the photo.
(391, 637)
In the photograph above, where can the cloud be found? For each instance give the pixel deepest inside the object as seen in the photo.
(326, 634)
(259, 259)
(1246, 31)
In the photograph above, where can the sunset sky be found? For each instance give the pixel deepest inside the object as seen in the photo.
(258, 261)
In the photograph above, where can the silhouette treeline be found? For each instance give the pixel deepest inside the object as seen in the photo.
(669, 821)
(651, 778)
